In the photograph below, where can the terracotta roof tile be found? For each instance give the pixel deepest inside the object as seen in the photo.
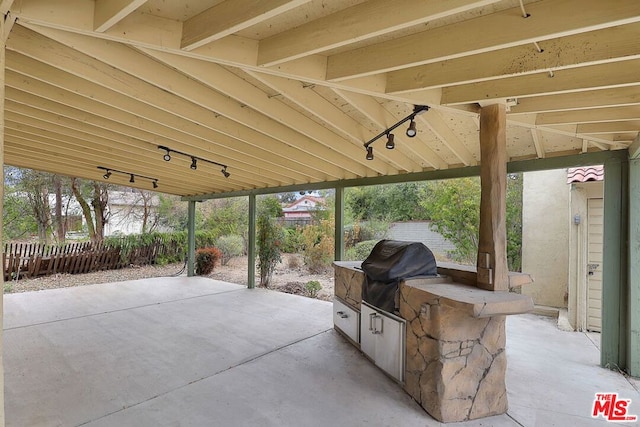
(585, 174)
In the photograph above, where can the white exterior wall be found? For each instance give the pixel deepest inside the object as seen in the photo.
(545, 236)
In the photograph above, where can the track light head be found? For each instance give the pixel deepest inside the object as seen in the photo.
(390, 145)
(154, 183)
(194, 163)
(411, 130)
(167, 157)
(132, 179)
(107, 175)
(369, 153)
(225, 173)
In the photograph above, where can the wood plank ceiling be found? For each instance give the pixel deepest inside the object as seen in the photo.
(285, 92)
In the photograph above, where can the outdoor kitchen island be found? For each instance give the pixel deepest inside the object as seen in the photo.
(452, 345)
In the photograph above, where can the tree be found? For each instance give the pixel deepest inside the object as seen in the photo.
(454, 209)
(225, 217)
(390, 203)
(18, 219)
(35, 185)
(98, 195)
(270, 237)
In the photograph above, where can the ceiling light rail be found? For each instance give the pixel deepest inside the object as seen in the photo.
(132, 176)
(411, 131)
(194, 159)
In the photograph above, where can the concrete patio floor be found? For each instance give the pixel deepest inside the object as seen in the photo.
(198, 352)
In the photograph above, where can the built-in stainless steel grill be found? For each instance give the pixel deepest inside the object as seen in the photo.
(390, 262)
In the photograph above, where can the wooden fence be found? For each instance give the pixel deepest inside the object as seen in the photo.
(22, 260)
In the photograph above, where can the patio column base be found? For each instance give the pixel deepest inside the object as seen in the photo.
(455, 348)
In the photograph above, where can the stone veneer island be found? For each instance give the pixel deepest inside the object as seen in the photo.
(455, 338)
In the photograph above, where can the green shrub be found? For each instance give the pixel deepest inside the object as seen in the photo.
(312, 287)
(293, 241)
(319, 246)
(269, 240)
(206, 259)
(230, 246)
(360, 251)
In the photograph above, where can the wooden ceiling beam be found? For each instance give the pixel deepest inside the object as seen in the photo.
(229, 17)
(356, 23)
(107, 13)
(612, 114)
(145, 79)
(122, 148)
(602, 76)
(624, 96)
(594, 47)
(445, 134)
(191, 138)
(609, 127)
(229, 84)
(548, 19)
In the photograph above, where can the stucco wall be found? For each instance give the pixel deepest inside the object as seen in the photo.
(545, 236)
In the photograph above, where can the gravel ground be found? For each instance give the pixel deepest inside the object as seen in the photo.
(289, 276)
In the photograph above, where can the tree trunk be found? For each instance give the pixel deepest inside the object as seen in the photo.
(99, 202)
(86, 209)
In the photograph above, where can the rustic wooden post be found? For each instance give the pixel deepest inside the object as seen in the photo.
(492, 242)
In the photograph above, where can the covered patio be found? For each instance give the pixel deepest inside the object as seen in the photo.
(197, 352)
(218, 98)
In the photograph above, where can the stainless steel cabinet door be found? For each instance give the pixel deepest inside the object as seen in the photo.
(382, 338)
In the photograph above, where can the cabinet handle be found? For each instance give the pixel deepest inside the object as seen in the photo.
(379, 331)
(342, 314)
(372, 323)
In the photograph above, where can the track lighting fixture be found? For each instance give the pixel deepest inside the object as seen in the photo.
(369, 153)
(411, 131)
(390, 145)
(132, 176)
(194, 159)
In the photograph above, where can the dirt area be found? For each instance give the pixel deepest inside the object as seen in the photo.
(291, 275)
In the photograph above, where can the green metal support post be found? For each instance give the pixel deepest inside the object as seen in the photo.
(633, 354)
(191, 239)
(339, 225)
(251, 250)
(614, 275)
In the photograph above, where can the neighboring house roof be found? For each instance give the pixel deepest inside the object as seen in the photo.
(304, 204)
(585, 174)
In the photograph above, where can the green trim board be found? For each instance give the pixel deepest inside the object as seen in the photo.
(584, 159)
(614, 269)
(339, 225)
(633, 348)
(191, 238)
(251, 250)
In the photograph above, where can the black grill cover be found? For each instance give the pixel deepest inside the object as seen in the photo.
(390, 262)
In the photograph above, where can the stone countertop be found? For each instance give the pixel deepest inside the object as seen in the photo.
(475, 301)
(355, 265)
